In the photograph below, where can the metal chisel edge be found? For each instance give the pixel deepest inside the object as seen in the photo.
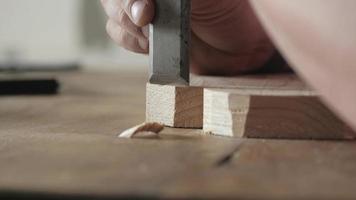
(169, 43)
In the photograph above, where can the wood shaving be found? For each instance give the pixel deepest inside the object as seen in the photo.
(145, 127)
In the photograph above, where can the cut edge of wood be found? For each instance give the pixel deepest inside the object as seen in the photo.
(175, 106)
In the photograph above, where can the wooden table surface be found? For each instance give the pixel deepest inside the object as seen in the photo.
(66, 147)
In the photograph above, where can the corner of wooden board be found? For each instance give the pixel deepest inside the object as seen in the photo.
(174, 106)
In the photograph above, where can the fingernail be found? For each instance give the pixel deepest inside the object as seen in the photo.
(137, 10)
(145, 31)
(143, 44)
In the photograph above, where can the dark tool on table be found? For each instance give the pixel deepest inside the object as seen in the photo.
(29, 86)
(20, 78)
(169, 43)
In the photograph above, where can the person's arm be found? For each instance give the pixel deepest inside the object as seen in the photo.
(318, 37)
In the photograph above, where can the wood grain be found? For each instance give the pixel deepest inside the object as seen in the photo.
(66, 146)
(260, 82)
(271, 108)
(175, 106)
(259, 106)
(277, 169)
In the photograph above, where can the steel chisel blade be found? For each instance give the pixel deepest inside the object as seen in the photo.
(169, 43)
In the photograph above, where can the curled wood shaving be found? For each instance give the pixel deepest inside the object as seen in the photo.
(145, 127)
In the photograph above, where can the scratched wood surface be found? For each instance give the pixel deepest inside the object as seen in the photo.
(66, 147)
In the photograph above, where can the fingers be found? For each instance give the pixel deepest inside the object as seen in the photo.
(128, 20)
(141, 12)
(125, 39)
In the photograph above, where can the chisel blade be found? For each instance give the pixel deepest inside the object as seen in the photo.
(169, 43)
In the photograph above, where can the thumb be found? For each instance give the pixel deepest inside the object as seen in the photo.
(141, 12)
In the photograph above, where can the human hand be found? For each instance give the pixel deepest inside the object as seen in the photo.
(128, 22)
(227, 38)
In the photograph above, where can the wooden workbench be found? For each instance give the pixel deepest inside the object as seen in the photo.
(66, 146)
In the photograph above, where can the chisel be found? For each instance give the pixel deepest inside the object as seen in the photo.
(169, 43)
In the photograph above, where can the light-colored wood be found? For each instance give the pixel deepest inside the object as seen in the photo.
(271, 107)
(174, 106)
(155, 128)
(261, 106)
(260, 82)
(182, 107)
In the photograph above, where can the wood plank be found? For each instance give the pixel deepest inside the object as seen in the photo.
(280, 82)
(73, 152)
(174, 106)
(271, 107)
(182, 106)
(259, 106)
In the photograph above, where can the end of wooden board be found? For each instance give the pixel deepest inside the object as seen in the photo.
(282, 114)
(174, 106)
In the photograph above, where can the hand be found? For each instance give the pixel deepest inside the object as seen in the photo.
(227, 38)
(128, 22)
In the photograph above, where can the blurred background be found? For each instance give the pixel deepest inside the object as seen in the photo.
(52, 33)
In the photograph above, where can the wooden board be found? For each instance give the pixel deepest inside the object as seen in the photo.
(175, 106)
(66, 147)
(271, 107)
(279, 82)
(182, 106)
(258, 106)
